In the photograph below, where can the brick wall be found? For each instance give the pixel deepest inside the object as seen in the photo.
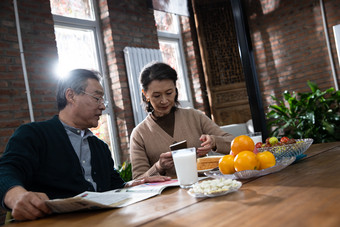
(194, 65)
(288, 40)
(123, 24)
(290, 46)
(40, 55)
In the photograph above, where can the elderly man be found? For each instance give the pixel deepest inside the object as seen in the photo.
(60, 157)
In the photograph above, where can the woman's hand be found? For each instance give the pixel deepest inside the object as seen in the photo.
(207, 145)
(165, 162)
(147, 180)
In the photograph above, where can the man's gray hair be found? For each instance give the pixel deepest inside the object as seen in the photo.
(77, 81)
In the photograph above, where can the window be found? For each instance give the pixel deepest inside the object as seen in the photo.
(81, 9)
(76, 48)
(170, 42)
(77, 34)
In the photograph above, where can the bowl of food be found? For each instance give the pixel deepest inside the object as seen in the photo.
(293, 149)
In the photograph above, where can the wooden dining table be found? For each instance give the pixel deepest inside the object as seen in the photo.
(305, 193)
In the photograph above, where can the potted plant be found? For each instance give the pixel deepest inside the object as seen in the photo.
(125, 171)
(314, 114)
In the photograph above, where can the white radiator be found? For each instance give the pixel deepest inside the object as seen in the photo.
(135, 60)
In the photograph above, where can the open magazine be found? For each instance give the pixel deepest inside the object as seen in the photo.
(111, 199)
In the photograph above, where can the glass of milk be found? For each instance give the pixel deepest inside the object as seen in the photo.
(256, 136)
(186, 167)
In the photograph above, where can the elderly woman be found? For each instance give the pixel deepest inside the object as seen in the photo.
(167, 124)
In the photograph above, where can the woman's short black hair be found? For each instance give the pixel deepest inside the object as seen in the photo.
(156, 71)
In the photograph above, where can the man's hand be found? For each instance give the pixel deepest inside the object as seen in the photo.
(147, 180)
(26, 205)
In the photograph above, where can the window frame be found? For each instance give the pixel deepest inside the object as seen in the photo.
(177, 37)
(94, 25)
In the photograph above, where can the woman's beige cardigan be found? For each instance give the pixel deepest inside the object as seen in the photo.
(149, 140)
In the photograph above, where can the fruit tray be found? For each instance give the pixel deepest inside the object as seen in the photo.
(289, 150)
(246, 174)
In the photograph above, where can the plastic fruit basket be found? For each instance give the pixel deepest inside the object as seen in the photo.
(289, 150)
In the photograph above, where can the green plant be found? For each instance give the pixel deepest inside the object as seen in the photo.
(125, 171)
(314, 114)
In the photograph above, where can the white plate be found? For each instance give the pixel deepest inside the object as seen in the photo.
(220, 193)
(246, 174)
(204, 170)
(201, 195)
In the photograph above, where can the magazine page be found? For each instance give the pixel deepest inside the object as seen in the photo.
(156, 187)
(110, 199)
(88, 200)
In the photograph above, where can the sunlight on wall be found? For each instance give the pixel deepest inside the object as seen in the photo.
(259, 45)
(274, 38)
(318, 23)
(269, 6)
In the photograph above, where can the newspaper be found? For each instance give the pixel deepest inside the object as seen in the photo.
(111, 199)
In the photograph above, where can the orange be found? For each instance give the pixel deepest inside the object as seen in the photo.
(246, 160)
(226, 164)
(242, 143)
(267, 159)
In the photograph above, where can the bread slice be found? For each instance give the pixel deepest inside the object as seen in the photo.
(208, 162)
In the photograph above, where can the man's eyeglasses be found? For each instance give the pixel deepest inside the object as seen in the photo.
(98, 100)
